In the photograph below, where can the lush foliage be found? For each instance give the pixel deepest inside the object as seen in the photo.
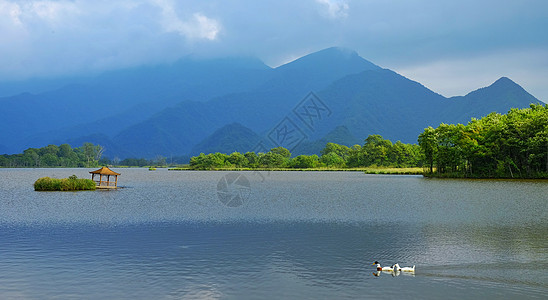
(55, 156)
(65, 184)
(375, 152)
(514, 145)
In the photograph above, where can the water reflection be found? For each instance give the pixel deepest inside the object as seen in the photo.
(393, 273)
(300, 235)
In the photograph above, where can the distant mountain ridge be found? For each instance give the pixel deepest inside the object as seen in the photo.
(195, 105)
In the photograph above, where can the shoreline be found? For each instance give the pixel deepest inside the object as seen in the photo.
(387, 171)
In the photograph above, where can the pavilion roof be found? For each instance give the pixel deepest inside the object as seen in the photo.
(104, 171)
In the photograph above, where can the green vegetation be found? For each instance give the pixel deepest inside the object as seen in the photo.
(88, 155)
(375, 152)
(514, 145)
(397, 171)
(66, 184)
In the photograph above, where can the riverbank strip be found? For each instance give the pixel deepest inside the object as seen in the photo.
(386, 170)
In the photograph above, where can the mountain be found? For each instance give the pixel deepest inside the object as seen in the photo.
(259, 109)
(112, 101)
(386, 103)
(380, 102)
(230, 138)
(193, 106)
(340, 135)
(499, 97)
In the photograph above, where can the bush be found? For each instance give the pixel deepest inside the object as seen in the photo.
(66, 184)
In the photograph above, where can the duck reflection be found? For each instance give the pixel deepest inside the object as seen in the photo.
(392, 273)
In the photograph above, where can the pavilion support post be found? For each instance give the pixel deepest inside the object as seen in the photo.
(107, 173)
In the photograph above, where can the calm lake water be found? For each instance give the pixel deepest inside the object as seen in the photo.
(277, 235)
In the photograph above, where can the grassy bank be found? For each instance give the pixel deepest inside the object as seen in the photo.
(475, 176)
(65, 184)
(369, 170)
(395, 171)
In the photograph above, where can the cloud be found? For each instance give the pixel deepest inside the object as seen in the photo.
(197, 27)
(459, 76)
(335, 8)
(54, 38)
(423, 37)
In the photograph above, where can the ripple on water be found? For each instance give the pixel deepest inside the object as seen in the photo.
(298, 235)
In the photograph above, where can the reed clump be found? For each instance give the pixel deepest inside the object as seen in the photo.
(72, 183)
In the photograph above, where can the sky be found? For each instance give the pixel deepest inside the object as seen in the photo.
(452, 46)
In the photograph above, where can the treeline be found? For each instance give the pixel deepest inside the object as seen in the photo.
(375, 152)
(514, 145)
(88, 155)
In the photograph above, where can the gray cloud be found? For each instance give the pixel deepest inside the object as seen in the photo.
(453, 46)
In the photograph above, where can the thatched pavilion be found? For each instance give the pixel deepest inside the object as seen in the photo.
(105, 184)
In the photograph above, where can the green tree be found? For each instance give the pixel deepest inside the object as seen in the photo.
(429, 144)
(238, 160)
(272, 160)
(340, 150)
(305, 161)
(252, 159)
(32, 157)
(355, 157)
(281, 151)
(331, 159)
(49, 159)
(376, 151)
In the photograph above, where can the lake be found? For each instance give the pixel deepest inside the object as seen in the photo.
(275, 235)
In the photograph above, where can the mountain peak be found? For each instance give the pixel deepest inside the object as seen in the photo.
(502, 93)
(332, 58)
(503, 85)
(504, 81)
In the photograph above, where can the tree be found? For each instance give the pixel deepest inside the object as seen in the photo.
(272, 160)
(376, 150)
(238, 160)
(510, 145)
(429, 145)
(281, 151)
(92, 153)
(159, 160)
(31, 155)
(355, 157)
(210, 161)
(331, 159)
(305, 161)
(340, 150)
(252, 159)
(65, 150)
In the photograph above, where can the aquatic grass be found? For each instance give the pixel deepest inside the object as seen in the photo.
(64, 184)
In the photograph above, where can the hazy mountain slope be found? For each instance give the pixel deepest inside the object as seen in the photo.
(340, 135)
(260, 109)
(386, 103)
(230, 138)
(500, 96)
(126, 96)
(175, 109)
(380, 102)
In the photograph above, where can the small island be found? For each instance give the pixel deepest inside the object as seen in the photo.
(72, 183)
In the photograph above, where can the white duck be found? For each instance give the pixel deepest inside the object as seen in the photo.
(385, 269)
(396, 267)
